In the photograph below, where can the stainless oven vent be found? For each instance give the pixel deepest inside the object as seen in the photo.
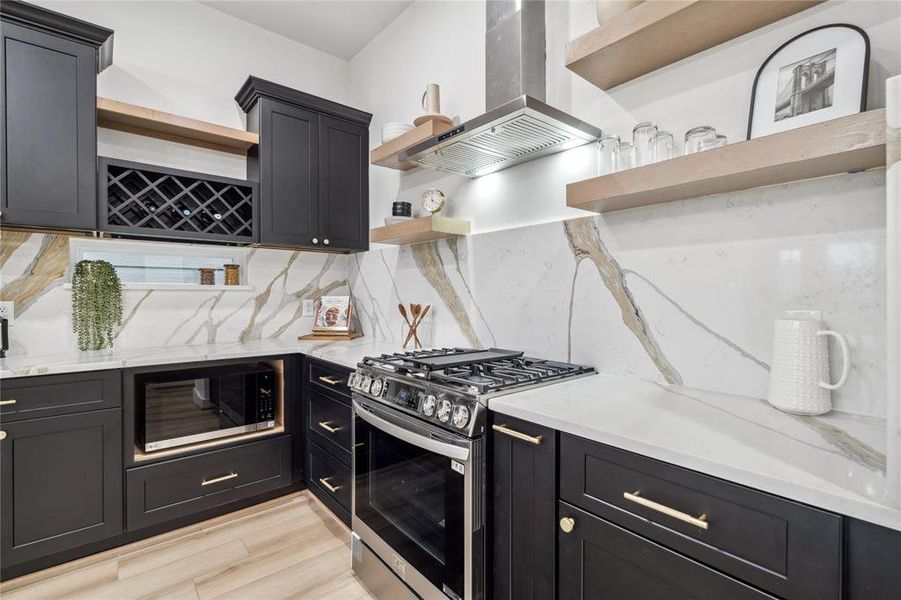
(519, 126)
(517, 132)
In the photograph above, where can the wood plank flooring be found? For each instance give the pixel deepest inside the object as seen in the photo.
(290, 547)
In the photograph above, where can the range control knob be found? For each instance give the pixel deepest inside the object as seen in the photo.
(377, 386)
(352, 382)
(444, 411)
(461, 416)
(429, 403)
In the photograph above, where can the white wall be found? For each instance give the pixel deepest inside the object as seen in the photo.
(189, 59)
(444, 42)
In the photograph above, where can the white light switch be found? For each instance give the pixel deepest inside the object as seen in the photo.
(309, 307)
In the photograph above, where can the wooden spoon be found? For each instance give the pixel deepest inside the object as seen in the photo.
(416, 309)
(416, 323)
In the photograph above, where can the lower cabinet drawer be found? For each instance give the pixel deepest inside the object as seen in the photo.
(330, 423)
(330, 478)
(786, 548)
(597, 559)
(164, 491)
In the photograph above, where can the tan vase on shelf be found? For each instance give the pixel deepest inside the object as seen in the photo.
(608, 9)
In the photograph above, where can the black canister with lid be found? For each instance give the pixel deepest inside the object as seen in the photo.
(401, 209)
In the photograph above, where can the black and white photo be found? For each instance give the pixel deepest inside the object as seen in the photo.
(814, 77)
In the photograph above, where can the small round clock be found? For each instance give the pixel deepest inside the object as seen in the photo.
(433, 200)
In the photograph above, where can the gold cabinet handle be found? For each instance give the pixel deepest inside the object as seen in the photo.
(567, 524)
(330, 380)
(7, 402)
(329, 428)
(218, 479)
(2, 435)
(670, 512)
(532, 439)
(328, 486)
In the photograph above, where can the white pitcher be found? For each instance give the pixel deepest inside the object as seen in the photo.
(799, 376)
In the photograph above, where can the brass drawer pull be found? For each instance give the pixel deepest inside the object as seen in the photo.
(532, 439)
(567, 524)
(218, 479)
(7, 402)
(328, 486)
(325, 425)
(330, 380)
(670, 512)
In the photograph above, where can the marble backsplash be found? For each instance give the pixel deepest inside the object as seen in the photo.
(33, 271)
(683, 292)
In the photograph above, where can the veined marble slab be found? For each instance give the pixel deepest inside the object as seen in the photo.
(682, 292)
(345, 353)
(836, 462)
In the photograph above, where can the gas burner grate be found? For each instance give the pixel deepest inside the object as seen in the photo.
(478, 371)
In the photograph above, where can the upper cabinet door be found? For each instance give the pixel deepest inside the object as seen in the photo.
(344, 185)
(49, 135)
(289, 175)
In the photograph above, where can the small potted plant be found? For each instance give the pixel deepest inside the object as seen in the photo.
(96, 303)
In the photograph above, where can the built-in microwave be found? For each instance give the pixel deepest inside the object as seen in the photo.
(176, 408)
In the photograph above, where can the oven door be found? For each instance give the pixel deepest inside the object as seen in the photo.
(413, 496)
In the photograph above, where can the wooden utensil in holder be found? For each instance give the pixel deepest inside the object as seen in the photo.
(418, 313)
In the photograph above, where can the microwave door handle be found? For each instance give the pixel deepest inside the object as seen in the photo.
(420, 441)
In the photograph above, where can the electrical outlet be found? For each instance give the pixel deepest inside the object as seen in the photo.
(309, 307)
(8, 311)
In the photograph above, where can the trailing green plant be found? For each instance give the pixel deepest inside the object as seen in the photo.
(96, 303)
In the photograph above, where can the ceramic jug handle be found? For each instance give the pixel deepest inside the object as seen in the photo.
(846, 360)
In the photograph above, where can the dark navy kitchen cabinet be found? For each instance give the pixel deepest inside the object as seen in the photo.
(61, 483)
(49, 123)
(311, 165)
(524, 499)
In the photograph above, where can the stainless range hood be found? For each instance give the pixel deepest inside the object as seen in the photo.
(521, 127)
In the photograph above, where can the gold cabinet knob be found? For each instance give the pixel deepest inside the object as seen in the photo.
(325, 241)
(2, 435)
(315, 240)
(567, 524)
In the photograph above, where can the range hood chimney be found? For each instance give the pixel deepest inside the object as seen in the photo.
(518, 126)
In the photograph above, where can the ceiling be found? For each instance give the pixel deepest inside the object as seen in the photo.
(337, 27)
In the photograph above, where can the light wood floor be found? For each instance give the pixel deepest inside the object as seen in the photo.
(291, 547)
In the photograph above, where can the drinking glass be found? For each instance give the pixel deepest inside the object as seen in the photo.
(663, 146)
(607, 154)
(625, 156)
(717, 141)
(695, 137)
(642, 135)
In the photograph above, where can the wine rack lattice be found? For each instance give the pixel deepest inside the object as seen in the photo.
(162, 202)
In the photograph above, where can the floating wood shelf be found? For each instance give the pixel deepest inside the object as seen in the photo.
(415, 231)
(131, 118)
(386, 155)
(852, 143)
(658, 33)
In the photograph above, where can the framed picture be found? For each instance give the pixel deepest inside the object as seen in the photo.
(333, 314)
(814, 77)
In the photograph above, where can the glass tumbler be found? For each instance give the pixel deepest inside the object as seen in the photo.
(663, 146)
(642, 135)
(608, 147)
(717, 141)
(696, 137)
(625, 156)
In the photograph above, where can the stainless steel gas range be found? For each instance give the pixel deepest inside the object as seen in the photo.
(419, 492)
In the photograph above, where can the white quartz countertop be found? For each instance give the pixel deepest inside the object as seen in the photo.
(346, 353)
(836, 462)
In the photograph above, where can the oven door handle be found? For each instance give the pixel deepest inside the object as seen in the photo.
(420, 441)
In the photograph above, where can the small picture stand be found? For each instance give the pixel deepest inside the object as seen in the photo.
(333, 320)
